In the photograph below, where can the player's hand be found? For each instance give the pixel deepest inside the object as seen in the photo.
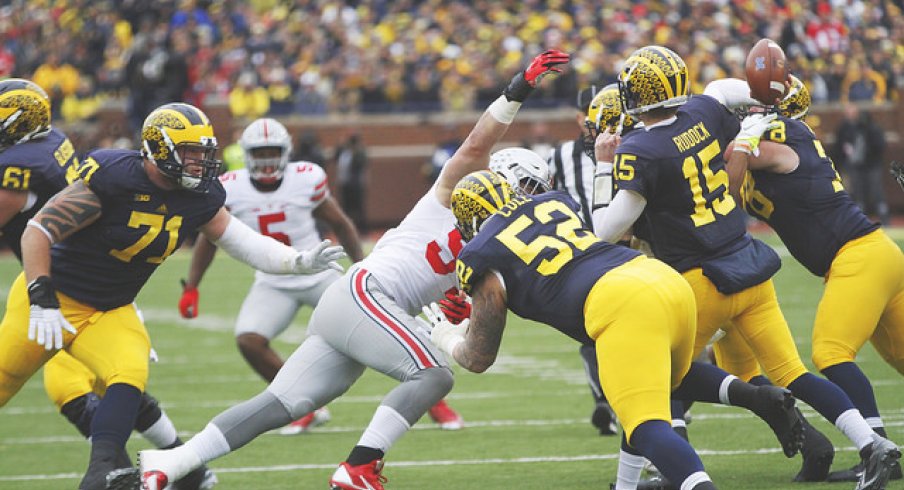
(188, 303)
(897, 171)
(320, 258)
(543, 64)
(752, 129)
(444, 333)
(45, 321)
(605, 145)
(456, 306)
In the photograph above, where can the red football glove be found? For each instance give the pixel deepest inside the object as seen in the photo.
(543, 64)
(188, 303)
(456, 306)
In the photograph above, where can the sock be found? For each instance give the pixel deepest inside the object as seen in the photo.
(851, 379)
(363, 455)
(759, 380)
(701, 383)
(629, 468)
(207, 445)
(386, 427)
(824, 396)
(671, 454)
(162, 434)
(80, 411)
(697, 481)
(856, 429)
(115, 416)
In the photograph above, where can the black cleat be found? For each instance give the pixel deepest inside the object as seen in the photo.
(853, 473)
(817, 453)
(776, 407)
(604, 418)
(124, 479)
(881, 456)
(201, 478)
(656, 483)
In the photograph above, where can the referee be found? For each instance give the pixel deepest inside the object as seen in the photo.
(571, 169)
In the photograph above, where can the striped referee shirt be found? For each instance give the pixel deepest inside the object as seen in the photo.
(572, 170)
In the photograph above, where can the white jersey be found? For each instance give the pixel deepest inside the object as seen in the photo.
(415, 262)
(284, 214)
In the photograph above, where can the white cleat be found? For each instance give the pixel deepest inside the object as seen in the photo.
(159, 467)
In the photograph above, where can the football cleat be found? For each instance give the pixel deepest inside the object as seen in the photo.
(882, 455)
(445, 416)
(201, 478)
(604, 419)
(817, 453)
(160, 467)
(308, 422)
(123, 479)
(776, 407)
(362, 477)
(853, 473)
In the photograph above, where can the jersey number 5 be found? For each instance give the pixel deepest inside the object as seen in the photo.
(265, 220)
(569, 235)
(716, 185)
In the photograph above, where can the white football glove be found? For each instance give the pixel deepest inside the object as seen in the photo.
(320, 258)
(752, 129)
(444, 334)
(46, 325)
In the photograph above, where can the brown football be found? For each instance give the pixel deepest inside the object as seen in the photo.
(767, 70)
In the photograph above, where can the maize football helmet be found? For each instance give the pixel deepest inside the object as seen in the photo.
(171, 130)
(475, 198)
(796, 103)
(523, 169)
(266, 133)
(24, 112)
(605, 114)
(653, 77)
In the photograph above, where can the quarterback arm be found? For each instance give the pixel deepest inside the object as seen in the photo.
(488, 312)
(771, 157)
(611, 223)
(342, 226)
(731, 92)
(71, 210)
(264, 253)
(11, 204)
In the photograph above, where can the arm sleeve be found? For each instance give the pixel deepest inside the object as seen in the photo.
(730, 92)
(611, 223)
(259, 251)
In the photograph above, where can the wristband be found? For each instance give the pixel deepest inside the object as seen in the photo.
(504, 110)
(41, 293)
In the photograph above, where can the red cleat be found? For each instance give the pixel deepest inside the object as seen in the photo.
(448, 419)
(361, 477)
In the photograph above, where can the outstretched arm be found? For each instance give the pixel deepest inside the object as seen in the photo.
(330, 212)
(474, 153)
(484, 335)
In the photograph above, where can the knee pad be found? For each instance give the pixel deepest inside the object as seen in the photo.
(80, 411)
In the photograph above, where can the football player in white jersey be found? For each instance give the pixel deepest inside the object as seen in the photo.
(280, 199)
(367, 319)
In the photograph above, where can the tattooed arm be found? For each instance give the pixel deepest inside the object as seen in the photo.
(488, 311)
(72, 209)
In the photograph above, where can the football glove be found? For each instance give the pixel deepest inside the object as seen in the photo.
(525, 81)
(444, 334)
(320, 258)
(45, 321)
(188, 303)
(752, 128)
(897, 171)
(456, 306)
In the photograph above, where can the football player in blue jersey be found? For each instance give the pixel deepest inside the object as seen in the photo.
(91, 248)
(673, 171)
(792, 185)
(533, 255)
(36, 162)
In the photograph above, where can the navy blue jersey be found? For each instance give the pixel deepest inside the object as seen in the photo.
(679, 169)
(548, 259)
(107, 263)
(42, 167)
(808, 207)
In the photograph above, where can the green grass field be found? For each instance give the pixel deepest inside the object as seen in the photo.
(527, 418)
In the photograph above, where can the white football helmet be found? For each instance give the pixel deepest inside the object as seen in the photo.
(522, 169)
(266, 133)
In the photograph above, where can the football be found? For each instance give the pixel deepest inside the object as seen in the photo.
(766, 70)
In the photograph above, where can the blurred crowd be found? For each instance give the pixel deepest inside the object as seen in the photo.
(316, 57)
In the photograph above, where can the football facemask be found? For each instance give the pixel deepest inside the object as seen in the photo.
(179, 139)
(475, 198)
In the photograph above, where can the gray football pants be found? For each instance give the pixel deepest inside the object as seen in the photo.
(354, 326)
